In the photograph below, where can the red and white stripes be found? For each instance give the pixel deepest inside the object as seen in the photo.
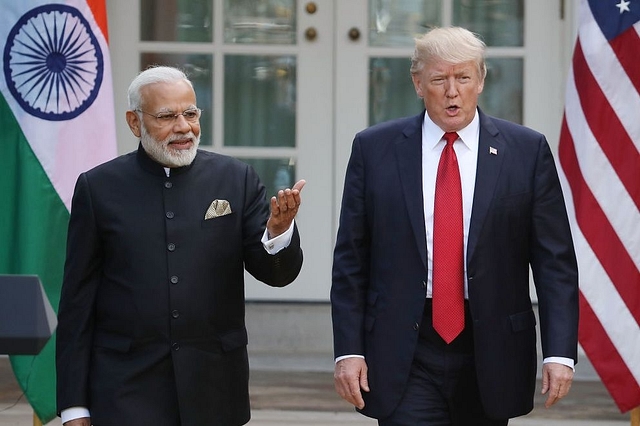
(599, 156)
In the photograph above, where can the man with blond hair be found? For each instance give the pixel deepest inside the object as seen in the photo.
(442, 216)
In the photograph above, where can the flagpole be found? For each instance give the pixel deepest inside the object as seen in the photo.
(635, 417)
(36, 420)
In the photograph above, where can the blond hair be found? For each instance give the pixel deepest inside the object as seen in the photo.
(451, 44)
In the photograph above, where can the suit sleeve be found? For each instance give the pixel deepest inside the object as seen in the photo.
(553, 262)
(350, 276)
(277, 270)
(82, 272)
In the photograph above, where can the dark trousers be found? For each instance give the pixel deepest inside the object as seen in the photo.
(442, 389)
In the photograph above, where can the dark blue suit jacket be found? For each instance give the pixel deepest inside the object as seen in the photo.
(380, 262)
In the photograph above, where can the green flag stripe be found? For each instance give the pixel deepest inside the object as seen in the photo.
(33, 230)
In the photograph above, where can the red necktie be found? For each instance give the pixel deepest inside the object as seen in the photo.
(448, 246)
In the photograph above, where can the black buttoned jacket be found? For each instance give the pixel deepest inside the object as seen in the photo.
(151, 320)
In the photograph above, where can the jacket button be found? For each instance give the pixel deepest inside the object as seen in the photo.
(175, 313)
(424, 284)
(174, 280)
(416, 326)
(175, 346)
(168, 185)
(171, 247)
(170, 215)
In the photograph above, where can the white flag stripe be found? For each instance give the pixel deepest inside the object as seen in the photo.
(601, 178)
(602, 296)
(611, 77)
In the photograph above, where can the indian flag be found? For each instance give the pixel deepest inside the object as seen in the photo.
(57, 120)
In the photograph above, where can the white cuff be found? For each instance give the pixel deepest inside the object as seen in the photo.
(74, 413)
(274, 245)
(340, 358)
(560, 360)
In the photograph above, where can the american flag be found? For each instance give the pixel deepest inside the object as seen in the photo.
(599, 156)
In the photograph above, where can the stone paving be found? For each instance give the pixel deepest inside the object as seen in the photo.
(313, 391)
(307, 398)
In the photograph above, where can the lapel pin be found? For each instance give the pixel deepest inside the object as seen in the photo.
(493, 151)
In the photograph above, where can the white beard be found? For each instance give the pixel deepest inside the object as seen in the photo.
(161, 153)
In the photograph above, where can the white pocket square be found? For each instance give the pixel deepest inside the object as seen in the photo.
(217, 208)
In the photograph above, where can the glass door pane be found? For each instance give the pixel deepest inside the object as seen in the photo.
(260, 100)
(260, 22)
(176, 20)
(397, 22)
(499, 22)
(503, 89)
(391, 91)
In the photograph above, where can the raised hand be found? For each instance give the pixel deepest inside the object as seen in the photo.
(284, 207)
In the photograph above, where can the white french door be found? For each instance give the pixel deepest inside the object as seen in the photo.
(285, 84)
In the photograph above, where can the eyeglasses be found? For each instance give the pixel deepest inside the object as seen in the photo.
(165, 118)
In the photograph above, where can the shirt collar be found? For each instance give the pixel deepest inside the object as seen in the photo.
(432, 134)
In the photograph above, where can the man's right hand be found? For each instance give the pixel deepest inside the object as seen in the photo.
(350, 378)
(83, 421)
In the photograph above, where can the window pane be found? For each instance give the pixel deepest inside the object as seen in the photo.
(275, 174)
(391, 92)
(260, 22)
(498, 22)
(259, 100)
(199, 70)
(398, 22)
(502, 94)
(176, 20)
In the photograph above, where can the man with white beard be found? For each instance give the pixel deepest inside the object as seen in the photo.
(151, 319)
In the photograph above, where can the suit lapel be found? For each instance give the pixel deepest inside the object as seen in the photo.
(491, 152)
(408, 150)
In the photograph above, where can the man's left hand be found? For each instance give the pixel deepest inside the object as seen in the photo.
(284, 207)
(556, 382)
